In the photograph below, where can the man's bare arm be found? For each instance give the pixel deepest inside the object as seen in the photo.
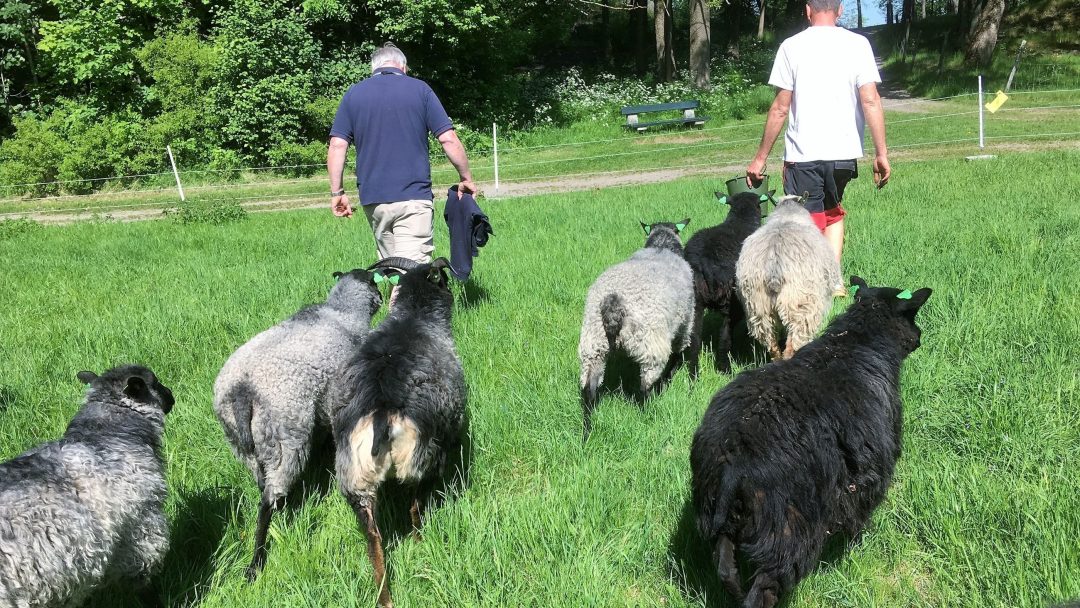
(774, 123)
(875, 119)
(335, 165)
(455, 152)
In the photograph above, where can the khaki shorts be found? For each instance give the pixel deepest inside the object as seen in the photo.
(403, 229)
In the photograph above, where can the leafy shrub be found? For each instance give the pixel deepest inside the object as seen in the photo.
(30, 157)
(207, 212)
(17, 227)
(298, 158)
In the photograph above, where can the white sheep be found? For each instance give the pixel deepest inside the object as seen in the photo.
(785, 275)
(645, 306)
(271, 395)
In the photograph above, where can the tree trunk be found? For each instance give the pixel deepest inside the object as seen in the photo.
(700, 41)
(605, 24)
(665, 55)
(889, 12)
(922, 10)
(858, 8)
(954, 7)
(761, 20)
(639, 23)
(908, 8)
(984, 37)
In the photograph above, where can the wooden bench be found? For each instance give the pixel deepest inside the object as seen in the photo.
(688, 118)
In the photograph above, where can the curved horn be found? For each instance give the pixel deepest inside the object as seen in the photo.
(402, 264)
(440, 263)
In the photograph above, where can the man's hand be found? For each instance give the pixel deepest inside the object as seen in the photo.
(340, 206)
(466, 186)
(755, 172)
(882, 171)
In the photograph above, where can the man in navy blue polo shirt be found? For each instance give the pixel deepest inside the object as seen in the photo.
(388, 117)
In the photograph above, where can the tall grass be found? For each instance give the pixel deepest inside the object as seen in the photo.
(985, 509)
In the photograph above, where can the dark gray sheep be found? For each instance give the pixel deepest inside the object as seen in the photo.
(712, 254)
(801, 449)
(271, 394)
(88, 509)
(400, 405)
(645, 306)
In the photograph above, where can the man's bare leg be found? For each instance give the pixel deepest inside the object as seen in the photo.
(834, 233)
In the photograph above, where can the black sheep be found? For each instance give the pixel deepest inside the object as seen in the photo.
(399, 406)
(712, 254)
(798, 450)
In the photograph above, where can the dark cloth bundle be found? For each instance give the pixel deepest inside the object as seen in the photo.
(469, 230)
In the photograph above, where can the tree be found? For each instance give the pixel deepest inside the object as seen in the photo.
(761, 20)
(639, 23)
(699, 42)
(858, 8)
(984, 33)
(665, 53)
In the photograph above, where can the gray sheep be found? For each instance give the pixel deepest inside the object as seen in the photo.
(271, 395)
(400, 404)
(88, 509)
(645, 306)
(785, 275)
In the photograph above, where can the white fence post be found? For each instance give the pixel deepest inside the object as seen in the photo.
(981, 141)
(175, 173)
(495, 143)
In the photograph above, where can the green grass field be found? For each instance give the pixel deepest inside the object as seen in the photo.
(984, 510)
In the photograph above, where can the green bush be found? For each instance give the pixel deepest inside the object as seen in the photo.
(207, 212)
(18, 227)
(31, 156)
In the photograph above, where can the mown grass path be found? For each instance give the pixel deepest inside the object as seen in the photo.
(985, 509)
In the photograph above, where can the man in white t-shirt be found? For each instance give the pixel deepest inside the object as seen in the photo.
(827, 77)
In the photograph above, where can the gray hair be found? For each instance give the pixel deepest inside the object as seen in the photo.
(387, 54)
(825, 6)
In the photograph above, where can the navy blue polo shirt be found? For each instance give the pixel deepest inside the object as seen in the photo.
(388, 117)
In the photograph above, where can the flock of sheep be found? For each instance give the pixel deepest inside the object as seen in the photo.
(786, 455)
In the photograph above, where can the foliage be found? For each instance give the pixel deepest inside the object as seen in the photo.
(264, 78)
(11, 228)
(196, 211)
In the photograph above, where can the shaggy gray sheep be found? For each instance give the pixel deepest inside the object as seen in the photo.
(400, 404)
(270, 396)
(786, 274)
(644, 306)
(88, 509)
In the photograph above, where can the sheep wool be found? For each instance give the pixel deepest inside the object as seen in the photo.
(712, 254)
(786, 272)
(88, 509)
(400, 405)
(645, 306)
(792, 453)
(270, 395)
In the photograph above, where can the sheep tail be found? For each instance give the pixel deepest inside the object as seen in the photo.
(380, 429)
(713, 521)
(612, 313)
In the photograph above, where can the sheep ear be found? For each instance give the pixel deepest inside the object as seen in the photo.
(858, 282)
(136, 388)
(86, 377)
(337, 274)
(913, 301)
(647, 228)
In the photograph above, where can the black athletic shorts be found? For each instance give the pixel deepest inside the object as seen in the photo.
(825, 180)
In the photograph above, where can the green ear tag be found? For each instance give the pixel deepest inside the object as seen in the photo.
(904, 295)
(723, 200)
(394, 279)
(379, 278)
(648, 228)
(853, 289)
(763, 197)
(680, 227)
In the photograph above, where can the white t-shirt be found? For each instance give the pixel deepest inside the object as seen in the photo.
(824, 67)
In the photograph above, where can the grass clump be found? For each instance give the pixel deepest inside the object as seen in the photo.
(17, 227)
(207, 212)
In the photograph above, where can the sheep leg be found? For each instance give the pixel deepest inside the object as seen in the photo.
(364, 508)
(416, 510)
(592, 373)
(262, 526)
(148, 597)
(723, 363)
(764, 592)
(726, 568)
(693, 352)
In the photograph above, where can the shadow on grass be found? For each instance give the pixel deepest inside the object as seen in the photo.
(196, 532)
(743, 348)
(692, 566)
(471, 294)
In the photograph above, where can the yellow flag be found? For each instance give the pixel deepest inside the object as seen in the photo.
(997, 102)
